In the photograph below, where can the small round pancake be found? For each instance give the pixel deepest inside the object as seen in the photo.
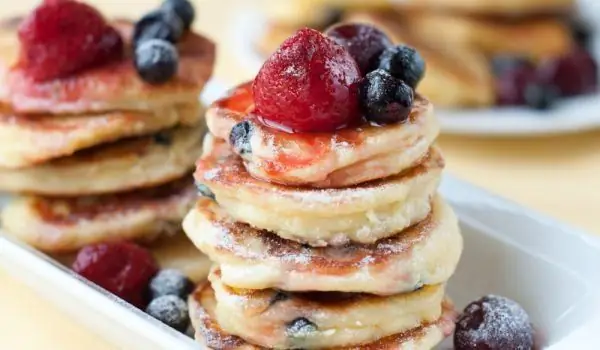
(325, 160)
(523, 37)
(364, 213)
(313, 320)
(110, 87)
(424, 254)
(504, 7)
(209, 334)
(32, 139)
(118, 167)
(315, 13)
(68, 224)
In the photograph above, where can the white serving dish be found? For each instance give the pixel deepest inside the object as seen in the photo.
(568, 116)
(551, 269)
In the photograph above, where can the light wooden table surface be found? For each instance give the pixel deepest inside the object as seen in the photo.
(556, 175)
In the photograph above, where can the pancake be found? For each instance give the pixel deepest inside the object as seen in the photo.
(314, 13)
(455, 77)
(319, 217)
(210, 334)
(177, 252)
(424, 254)
(33, 139)
(504, 7)
(536, 38)
(171, 252)
(324, 160)
(68, 224)
(110, 87)
(314, 320)
(118, 167)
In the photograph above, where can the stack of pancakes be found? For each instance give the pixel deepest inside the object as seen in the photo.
(101, 155)
(323, 240)
(457, 38)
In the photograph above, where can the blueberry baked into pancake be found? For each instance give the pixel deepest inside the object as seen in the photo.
(319, 204)
(489, 53)
(100, 123)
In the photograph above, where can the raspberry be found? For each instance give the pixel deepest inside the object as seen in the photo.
(310, 84)
(574, 74)
(364, 42)
(63, 37)
(511, 85)
(123, 269)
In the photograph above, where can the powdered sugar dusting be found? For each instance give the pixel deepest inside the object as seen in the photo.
(295, 71)
(212, 174)
(495, 322)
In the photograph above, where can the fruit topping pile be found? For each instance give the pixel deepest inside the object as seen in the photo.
(155, 39)
(323, 82)
(520, 81)
(131, 273)
(61, 38)
(494, 323)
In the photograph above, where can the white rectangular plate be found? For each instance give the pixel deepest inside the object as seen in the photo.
(551, 269)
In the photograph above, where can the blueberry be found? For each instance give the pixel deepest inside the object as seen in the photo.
(239, 138)
(156, 61)
(540, 96)
(403, 62)
(170, 282)
(581, 32)
(505, 63)
(158, 24)
(183, 9)
(204, 191)
(170, 310)
(300, 328)
(493, 323)
(278, 297)
(385, 99)
(163, 138)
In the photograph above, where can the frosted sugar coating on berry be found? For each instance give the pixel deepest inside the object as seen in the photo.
(494, 322)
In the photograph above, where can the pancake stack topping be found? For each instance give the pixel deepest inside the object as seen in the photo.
(527, 53)
(319, 203)
(101, 126)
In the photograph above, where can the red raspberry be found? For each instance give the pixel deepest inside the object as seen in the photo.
(310, 84)
(123, 269)
(63, 37)
(574, 74)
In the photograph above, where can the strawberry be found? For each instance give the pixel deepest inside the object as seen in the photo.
(64, 37)
(310, 84)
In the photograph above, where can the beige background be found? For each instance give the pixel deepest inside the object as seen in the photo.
(555, 175)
